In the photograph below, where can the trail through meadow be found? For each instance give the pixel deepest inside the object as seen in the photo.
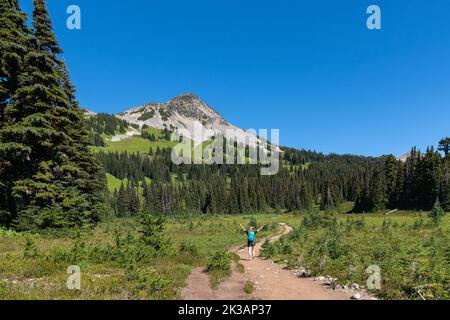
(272, 281)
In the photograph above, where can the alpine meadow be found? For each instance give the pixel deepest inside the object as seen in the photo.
(100, 191)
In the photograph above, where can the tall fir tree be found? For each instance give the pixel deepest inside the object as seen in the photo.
(14, 44)
(52, 179)
(444, 146)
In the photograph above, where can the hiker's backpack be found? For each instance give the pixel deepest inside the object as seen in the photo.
(251, 236)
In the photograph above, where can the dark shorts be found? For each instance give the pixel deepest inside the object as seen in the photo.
(251, 243)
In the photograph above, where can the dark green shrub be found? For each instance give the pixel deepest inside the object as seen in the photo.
(219, 261)
(437, 213)
(268, 250)
(286, 248)
(30, 251)
(152, 231)
(316, 219)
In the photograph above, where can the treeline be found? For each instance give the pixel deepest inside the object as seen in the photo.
(224, 189)
(417, 183)
(103, 123)
(135, 166)
(48, 176)
(306, 179)
(164, 134)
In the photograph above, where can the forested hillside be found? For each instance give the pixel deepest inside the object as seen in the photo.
(305, 180)
(104, 124)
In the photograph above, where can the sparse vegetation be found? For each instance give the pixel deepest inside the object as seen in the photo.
(249, 287)
(147, 115)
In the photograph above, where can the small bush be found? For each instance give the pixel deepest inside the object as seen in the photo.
(268, 250)
(419, 224)
(8, 233)
(146, 283)
(286, 248)
(249, 287)
(221, 260)
(30, 251)
(189, 247)
(219, 267)
(316, 219)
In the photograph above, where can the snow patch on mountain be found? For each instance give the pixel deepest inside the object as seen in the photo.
(130, 133)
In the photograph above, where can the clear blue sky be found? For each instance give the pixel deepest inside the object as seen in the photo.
(310, 68)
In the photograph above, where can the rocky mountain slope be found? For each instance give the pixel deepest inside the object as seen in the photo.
(184, 114)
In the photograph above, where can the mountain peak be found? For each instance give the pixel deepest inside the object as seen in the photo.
(182, 113)
(188, 97)
(179, 112)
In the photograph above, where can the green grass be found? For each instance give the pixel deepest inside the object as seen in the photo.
(156, 132)
(136, 144)
(115, 183)
(115, 265)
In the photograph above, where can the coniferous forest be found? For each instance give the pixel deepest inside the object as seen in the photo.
(307, 179)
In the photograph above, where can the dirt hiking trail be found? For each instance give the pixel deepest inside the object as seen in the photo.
(272, 281)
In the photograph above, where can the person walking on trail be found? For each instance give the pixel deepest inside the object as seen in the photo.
(251, 240)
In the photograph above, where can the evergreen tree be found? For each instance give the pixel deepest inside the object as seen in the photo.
(445, 185)
(152, 231)
(328, 200)
(54, 181)
(378, 194)
(133, 199)
(444, 146)
(14, 45)
(437, 213)
(123, 207)
(391, 175)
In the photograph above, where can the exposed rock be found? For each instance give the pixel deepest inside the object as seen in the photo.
(355, 286)
(184, 114)
(304, 273)
(356, 296)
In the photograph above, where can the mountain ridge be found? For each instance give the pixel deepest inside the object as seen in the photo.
(185, 114)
